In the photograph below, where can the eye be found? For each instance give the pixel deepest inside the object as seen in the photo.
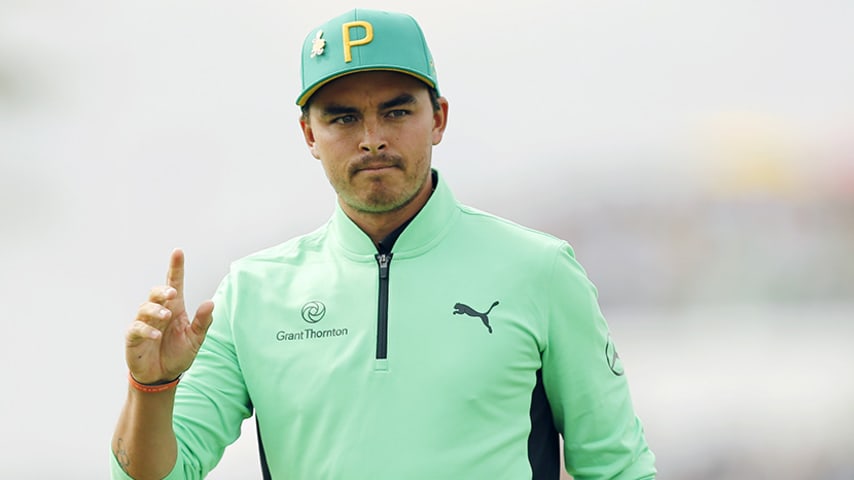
(344, 119)
(393, 114)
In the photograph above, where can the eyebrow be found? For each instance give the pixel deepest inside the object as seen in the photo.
(402, 99)
(336, 109)
(333, 109)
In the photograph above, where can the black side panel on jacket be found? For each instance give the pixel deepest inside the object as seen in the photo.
(543, 445)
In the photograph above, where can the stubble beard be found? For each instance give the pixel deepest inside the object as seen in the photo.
(380, 198)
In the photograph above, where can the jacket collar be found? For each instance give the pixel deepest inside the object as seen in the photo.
(424, 231)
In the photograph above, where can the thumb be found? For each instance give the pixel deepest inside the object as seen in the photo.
(201, 322)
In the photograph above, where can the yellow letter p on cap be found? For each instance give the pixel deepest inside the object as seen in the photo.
(345, 33)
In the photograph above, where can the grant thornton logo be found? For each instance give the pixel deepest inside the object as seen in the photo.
(313, 312)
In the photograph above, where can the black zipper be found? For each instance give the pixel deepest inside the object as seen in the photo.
(383, 260)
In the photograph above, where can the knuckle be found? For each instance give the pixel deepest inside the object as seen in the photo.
(136, 330)
(150, 311)
(157, 294)
(144, 309)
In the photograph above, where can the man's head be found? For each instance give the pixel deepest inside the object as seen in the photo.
(371, 113)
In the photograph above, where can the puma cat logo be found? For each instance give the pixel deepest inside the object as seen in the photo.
(462, 308)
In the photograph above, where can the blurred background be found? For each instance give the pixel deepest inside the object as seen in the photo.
(698, 155)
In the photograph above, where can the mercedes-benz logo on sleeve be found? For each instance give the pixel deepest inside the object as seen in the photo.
(313, 312)
(613, 358)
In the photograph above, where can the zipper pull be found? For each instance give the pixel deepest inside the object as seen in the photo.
(383, 260)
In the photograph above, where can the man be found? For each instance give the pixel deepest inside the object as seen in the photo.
(410, 337)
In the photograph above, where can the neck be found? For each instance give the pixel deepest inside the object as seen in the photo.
(378, 225)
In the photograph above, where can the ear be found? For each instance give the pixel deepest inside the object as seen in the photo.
(308, 134)
(440, 120)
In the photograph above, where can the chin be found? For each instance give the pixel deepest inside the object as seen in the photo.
(382, 203)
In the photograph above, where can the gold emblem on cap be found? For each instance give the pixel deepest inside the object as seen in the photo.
(318, 44)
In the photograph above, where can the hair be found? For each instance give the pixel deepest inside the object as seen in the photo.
(434, 100)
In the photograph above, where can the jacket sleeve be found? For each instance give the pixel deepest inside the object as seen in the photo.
(586, 385)
(211, 401)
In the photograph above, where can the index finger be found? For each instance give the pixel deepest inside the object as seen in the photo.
(175, 275)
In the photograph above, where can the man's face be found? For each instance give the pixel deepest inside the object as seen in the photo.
(374, 133)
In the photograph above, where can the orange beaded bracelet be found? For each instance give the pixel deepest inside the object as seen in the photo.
(156, 388)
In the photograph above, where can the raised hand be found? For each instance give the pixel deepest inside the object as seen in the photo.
(162, 342)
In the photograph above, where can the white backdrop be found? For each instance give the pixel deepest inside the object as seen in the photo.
(129, 128)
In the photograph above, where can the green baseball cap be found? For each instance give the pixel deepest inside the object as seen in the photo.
(363, 40)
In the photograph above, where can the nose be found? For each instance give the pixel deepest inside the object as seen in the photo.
(373, 140)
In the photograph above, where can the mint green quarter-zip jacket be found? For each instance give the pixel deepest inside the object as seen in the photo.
(462, 354)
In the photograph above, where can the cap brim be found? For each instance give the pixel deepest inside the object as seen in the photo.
(311, 90)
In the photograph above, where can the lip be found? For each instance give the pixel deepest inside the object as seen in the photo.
(375, 168)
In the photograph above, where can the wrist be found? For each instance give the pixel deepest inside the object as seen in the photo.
(153, 387)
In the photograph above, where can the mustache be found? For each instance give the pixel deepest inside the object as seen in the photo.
(373, 161)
